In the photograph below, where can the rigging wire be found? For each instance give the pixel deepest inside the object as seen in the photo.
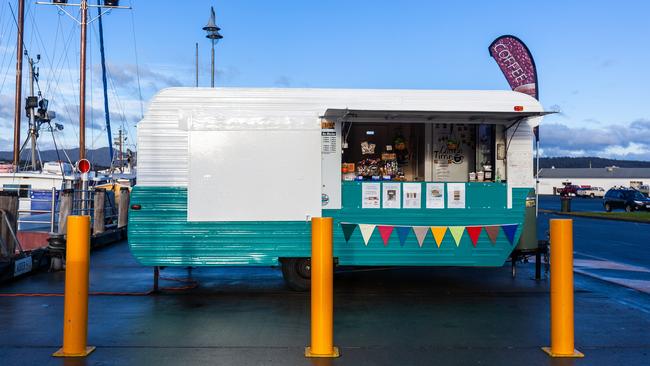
(137, 64)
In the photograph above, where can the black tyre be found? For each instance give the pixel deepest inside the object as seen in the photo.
(629, 208)
(297, 273)
(608, 208)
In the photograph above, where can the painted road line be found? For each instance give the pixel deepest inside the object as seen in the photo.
(600, 264)
(584, 267)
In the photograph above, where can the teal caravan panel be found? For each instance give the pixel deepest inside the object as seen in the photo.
(159, 233)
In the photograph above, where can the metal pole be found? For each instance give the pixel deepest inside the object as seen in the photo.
(322, 301)
(32, 111)
(537, 178)
(19, 82)
(82, 81)
(197, 64)
(562, 322)
(75, 318)
(212, 63)
(52, 209)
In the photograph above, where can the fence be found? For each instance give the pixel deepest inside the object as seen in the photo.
(43, 210)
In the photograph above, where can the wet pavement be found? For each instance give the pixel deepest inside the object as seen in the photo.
(396, 316)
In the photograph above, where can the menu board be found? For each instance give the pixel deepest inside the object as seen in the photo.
(391, 195)
(412, 195)
(455, 195)
(370, 195)
(435, 195)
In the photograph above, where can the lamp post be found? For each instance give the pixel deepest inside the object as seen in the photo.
(214, 36)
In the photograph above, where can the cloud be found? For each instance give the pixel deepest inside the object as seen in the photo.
(631, 141)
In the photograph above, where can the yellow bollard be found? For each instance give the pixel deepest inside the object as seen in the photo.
(75, 318)
(322, 303)
(562, 335)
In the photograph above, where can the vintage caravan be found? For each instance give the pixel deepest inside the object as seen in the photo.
(232, 176)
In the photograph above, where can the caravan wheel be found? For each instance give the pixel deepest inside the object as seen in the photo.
(297, 273)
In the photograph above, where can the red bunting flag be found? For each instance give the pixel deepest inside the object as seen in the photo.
(474, 232)
(385, 232)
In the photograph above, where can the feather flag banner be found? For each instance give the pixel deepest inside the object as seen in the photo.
(438, 234)
(366, 232)
(385, 232)
(457, 233)
(474, 233)
(421, 233)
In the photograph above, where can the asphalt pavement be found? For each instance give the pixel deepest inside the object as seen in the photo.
(549, 202)
(613, 251)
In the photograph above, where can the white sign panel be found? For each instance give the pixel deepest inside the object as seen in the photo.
(391, 195)
(455, 195)
(435, 195)
(412, 195)
(370, 195)
(254, 175)
(22, 266)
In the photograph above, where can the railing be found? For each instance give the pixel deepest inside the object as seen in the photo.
(82, 203)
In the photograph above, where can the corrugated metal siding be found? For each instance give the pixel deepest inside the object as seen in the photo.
(159, 233)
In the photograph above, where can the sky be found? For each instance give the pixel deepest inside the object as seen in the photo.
(591, 58)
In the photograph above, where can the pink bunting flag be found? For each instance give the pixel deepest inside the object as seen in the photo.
(385, 232)
(474, 233)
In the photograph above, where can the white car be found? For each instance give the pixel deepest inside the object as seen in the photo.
(592, 192)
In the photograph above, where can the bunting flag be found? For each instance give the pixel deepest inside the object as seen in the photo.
(457, 233)
(510, 231)
(348, 229)
(385, 232)
(474, 232)
(366, 232)
(438, 234)
(421, 233)
(493, 232)
(403, 233)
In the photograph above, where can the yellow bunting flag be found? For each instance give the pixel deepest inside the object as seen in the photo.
(438, 233)
(457, 233)
(366, 232)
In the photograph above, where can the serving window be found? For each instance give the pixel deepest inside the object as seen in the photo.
(415, 152)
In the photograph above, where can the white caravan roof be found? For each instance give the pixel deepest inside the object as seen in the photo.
(163, 133)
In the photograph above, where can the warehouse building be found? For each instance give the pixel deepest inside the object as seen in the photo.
(551, 180)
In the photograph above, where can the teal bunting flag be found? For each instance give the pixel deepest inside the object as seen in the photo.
(348, 229)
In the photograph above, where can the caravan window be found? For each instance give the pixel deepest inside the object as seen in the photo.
(384, 151)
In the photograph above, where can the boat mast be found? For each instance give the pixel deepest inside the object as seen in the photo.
(82, 81)
(103, 61)
(19, 82)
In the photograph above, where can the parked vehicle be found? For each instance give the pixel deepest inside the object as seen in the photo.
(569, 190)
(591, 192)
(625, 198)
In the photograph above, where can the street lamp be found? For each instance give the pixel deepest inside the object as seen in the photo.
(213, 35)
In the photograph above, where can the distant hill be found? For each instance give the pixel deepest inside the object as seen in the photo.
(586, 162)
(98, 157)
